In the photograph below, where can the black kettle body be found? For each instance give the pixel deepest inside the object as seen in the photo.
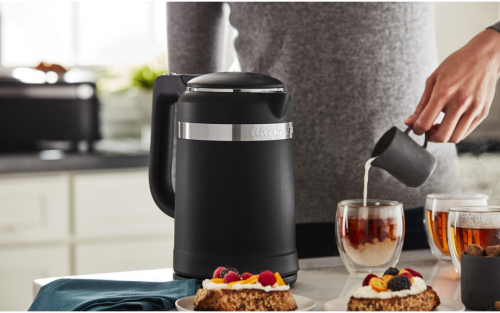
(234, 201)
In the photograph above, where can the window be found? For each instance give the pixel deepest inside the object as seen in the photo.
(81, 33)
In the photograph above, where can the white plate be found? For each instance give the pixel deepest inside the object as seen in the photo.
(303, 303)
(340, 304)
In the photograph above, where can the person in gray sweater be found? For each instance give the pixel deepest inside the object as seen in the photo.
(354, 70)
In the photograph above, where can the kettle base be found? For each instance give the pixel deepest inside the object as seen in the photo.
(289, 280)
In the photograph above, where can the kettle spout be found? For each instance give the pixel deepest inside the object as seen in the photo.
(277, 102)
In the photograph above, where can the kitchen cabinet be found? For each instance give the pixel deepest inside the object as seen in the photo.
(20, 265)
(77, 222)
(34, 208)
(111, 203)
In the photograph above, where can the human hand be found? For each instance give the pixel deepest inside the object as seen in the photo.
(462, 87)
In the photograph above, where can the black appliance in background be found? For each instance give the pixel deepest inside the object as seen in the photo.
(34, 115)
(234, 201)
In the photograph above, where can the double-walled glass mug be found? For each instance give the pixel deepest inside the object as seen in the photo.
(436, 218)
(478, 225)
(369, 238)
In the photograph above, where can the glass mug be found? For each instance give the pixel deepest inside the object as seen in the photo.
(369, 238)
(478, 225)
(436, 216)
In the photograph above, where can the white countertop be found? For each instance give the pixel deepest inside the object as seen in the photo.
(321, 279)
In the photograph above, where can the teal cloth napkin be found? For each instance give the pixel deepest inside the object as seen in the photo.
(111, 295)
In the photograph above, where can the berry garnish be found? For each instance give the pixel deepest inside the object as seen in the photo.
(366, 281)
(227, 270)
(407, 274)
(267, 278)
(251, 280)
(386, 278)
(246, 276)
(391, 271)
(218, 271)
(230, 277)
(378, 284)
(398, 283)
(414, 273)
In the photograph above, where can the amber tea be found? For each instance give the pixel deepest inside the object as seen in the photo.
(463, 237)
(369, 235)
(478, 225)
(436, 218)
(437, 230)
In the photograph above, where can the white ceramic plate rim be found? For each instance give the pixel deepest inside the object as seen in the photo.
(340, 304)
(303, 303)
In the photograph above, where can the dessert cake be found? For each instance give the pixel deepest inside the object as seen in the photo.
(230, 291)
(396, 290)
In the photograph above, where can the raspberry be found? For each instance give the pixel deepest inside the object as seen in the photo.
(407, 275)
(398, 283)
(366, 281)
(231, 276)
(267, 278)
(391, 271)
(414, 273)
(246, 275)
(227, 270)
(217, 272)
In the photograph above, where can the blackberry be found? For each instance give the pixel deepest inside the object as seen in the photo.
(227, 270)
(398, 283)
(391, 271)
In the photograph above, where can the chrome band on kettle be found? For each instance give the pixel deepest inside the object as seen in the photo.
(235, 132)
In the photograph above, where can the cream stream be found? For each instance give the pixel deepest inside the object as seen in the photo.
(368, 164)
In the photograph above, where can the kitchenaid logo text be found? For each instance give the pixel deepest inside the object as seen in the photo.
(259, 132)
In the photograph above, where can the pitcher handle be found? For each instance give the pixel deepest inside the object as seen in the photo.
(407, 131)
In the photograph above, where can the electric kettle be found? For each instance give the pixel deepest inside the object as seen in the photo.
(234, 200)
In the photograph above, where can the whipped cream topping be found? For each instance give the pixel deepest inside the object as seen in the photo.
(417, 287)
(210, 285)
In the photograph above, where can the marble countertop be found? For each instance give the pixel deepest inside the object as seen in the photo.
(322, 279)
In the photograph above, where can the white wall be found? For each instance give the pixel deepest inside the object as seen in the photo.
(458, 22)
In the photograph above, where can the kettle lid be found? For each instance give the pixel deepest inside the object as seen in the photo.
(235, 80)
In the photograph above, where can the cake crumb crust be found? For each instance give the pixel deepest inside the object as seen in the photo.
(244, 300)
(427, 300)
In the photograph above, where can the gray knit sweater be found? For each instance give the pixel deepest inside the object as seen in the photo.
(353, 69)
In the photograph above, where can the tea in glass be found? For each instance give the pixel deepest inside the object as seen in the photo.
(478, 225)
(436, 218)
(369, 237)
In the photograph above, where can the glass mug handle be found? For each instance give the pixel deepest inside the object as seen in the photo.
(407, 131)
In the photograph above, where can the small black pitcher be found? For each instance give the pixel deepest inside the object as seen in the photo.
(403, 158)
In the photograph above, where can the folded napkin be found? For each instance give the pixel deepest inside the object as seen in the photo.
(111, 295)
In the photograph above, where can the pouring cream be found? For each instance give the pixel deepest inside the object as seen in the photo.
(368, 164)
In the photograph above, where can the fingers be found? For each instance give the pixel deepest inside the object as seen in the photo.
(429, 86)
(430, 113)
(477, 120)
(447, 127)
(462, 127)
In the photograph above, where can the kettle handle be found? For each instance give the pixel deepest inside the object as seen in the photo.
(166, 91)
(407, 131)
